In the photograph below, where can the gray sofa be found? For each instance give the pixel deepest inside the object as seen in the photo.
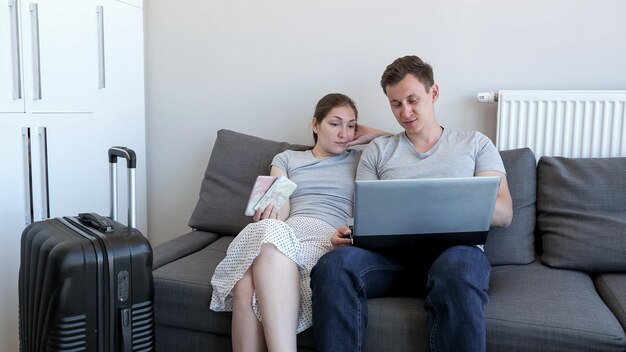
(559, 271)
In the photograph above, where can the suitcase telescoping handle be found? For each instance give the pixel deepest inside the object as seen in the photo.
(131, 162)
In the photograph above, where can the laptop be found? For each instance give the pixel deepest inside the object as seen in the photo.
(416, 212)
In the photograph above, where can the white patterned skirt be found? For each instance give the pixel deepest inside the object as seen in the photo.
(302, 239)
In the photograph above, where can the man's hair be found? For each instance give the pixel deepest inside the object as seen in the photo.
(403, 66)
(329, 102)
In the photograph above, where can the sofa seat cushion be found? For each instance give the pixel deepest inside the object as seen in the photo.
(581, 213)
(612, 288)
(537, 308)
(175, 339)
(182, 291)
(396, 324)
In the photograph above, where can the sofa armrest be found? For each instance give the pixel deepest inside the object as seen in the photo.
(181, 246)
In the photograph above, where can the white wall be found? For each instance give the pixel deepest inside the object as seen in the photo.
(260, 67)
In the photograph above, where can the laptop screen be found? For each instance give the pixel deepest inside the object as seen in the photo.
(424, 208)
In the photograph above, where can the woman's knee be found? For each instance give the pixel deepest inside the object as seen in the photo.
(243, 291)
(268, 250)
(270, 261)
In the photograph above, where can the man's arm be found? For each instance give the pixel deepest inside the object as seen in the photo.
(503, 212)
(367, 169)
(364, 134)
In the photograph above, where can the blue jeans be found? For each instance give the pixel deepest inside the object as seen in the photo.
(454, 282)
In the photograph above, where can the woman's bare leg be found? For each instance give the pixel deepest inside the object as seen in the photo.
(247, 331)
(277, 285)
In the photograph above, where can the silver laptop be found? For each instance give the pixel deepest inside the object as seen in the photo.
(411, 212)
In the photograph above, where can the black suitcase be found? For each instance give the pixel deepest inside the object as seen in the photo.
(85, 283)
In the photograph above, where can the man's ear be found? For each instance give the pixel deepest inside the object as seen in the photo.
(434, 91)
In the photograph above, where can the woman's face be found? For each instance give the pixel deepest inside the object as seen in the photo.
(335, 130)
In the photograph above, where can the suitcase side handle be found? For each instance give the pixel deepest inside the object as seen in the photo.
(131, 162)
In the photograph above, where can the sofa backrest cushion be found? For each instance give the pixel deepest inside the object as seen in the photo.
(581, 213)
(514, 244)
(236, 160)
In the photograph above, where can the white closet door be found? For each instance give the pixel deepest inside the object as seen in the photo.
(13, 177)
(11, 99)
(121, 104)
(78, 171)
(12, 223)
(60, 46)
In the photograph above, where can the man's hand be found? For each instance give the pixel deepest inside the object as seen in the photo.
(341, 237)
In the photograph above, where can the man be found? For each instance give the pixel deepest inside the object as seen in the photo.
(455, 279)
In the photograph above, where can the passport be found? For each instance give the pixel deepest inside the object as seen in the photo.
(269, 190)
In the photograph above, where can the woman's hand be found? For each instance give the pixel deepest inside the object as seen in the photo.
(268, 213)
(341, 237)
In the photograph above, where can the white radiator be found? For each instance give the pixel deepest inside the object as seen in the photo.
(563, 123)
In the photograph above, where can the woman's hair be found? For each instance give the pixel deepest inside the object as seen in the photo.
(401, 67)
(329, 102)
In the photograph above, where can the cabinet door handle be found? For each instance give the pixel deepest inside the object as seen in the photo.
(28, 176)
(15, 50)
(34, 24)
(43, 152)
(101, 73)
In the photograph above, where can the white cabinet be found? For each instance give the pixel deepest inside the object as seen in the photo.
(54, 149)
(50, 56)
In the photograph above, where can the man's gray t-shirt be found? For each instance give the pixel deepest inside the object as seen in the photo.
(325, 186)
(456, 154)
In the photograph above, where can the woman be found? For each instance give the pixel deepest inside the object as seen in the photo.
(264, 278)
